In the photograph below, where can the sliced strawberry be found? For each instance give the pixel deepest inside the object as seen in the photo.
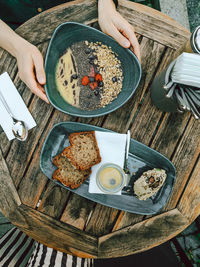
(92, 72)
(98, 77)
(85, 80)
(93, 85)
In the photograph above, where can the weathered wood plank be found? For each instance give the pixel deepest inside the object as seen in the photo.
(169, 132)
(146, 121)
(126, 219)
(54, 200)
(79, 11)
(121, 119)
(48, 231)
(189, 204)
(94, 121)
(21, 152)
(9, 198)
(143, 128)
(33, 222)
(142, 236)
(184, 159)
(6, 60)
(144, 19)
(148, 116)
(134, 238)
(78, 211)
(34, 181)
(102, 220)
(154, 24)
(8, 189)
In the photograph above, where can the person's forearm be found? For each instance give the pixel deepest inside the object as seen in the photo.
(9, 40)
(108, 4)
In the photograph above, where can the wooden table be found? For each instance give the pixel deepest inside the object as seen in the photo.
(66, 221)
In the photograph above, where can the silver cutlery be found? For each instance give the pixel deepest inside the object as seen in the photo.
(193, 108)
(171, 91)
(19, 128)
(127, 188)
(182, 106)
(184, 98)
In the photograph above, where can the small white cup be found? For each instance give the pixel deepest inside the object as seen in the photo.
(110, 178)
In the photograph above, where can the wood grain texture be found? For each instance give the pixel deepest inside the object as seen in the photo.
(184, 159)
(121, 119)
(78, 211)
(48, 231)
(154, 24)
(142, 236)
(189, 204)
(34, 181)
(126, 219)
(102, 220)
(21, 153)
(9, 196)
(68, 222)
(148, 22)
(54, 200)
(79, 11)
(167, 139)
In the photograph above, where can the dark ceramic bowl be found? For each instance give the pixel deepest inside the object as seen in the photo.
(63, 37)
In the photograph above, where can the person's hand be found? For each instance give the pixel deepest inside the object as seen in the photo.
(29, 59)
(113, 24)
(31, 69)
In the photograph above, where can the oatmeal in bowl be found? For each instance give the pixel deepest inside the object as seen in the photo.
(88, 73)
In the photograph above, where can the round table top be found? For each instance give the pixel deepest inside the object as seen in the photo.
(66, 221)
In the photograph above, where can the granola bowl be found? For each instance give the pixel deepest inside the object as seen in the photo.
(88, 73)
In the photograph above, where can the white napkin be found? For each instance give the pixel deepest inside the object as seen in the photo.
(186, 70)
(112, 150)
(16, 105)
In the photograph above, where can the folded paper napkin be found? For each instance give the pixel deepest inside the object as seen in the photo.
(186, 70)
(112, 150)
(16, 105)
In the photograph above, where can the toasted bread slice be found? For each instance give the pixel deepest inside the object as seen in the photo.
(83, 152)
(67, 174)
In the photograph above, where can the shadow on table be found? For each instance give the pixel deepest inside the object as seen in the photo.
(161, 256)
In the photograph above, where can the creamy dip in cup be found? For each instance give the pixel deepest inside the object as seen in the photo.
(110, 178)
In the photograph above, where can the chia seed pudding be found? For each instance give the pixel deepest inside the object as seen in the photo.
(89, 75)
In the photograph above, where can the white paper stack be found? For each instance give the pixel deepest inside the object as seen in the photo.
(16, 106)
(187, 70)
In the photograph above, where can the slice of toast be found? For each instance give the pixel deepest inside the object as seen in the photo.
(83, 152)
(67, 174)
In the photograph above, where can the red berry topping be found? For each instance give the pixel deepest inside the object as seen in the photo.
(98, 77)
(85, 80)
(93, 85)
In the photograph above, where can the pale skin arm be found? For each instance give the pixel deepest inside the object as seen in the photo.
(113, 24)
(29, 60)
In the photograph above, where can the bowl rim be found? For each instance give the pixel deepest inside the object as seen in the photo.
(78, 114)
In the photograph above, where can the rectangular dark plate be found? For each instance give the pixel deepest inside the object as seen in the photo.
(141, 158)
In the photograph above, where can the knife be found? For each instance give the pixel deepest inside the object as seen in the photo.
(193, 108)
(171, 91)
(184, 98)
(180, 101)
(194, 96)
(126, 170)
